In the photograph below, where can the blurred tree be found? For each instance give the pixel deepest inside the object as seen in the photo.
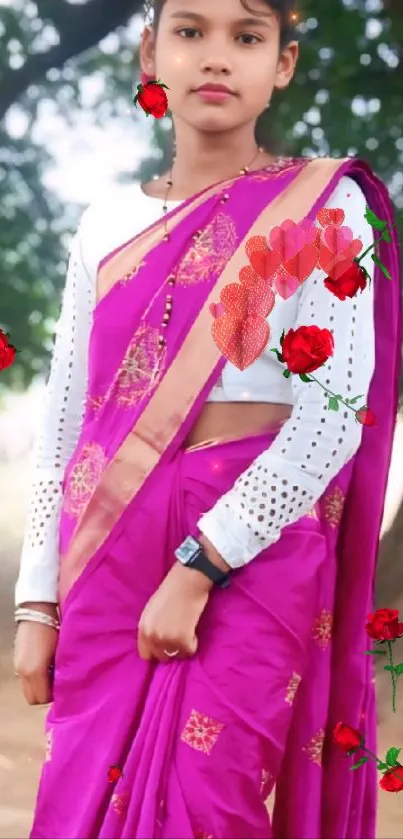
(346, 99)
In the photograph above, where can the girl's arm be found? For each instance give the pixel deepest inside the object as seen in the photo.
(60, 426)
(284, 482)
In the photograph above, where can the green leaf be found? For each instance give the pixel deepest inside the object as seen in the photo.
(386, 236)
(383, 767)
(287, 374)
(381, 266)
(356, 398)
(282, 337)
(278, 354)
(304, 377)
(392, 756)
(399, 669)
(388, 667)
(333, 404)
(360, 763)
(374, 221)
(375, 652)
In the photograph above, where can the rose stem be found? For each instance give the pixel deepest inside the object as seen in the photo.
(393, 675)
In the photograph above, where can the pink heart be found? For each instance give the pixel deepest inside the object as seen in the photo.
(216, 309)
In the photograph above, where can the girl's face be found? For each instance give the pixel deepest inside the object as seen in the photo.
(203, 42)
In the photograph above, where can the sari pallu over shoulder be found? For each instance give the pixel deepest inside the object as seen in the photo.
(144, 415)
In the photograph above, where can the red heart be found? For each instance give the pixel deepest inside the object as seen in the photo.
(326, 216)
(265, 263)
(241, 343)
(303, 263)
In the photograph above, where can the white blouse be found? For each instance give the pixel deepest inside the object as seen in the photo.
(311, 447)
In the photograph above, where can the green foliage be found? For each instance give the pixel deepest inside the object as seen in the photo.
(47, 51)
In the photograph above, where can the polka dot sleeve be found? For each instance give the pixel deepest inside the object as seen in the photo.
(60, 427)
(284, 482)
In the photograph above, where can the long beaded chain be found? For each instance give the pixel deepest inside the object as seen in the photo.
(172, 277)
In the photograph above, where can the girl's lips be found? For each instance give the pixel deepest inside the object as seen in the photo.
(214, 95)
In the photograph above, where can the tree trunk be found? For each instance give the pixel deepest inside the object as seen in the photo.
(79, 28)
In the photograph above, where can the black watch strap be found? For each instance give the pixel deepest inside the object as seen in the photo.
(201, 563)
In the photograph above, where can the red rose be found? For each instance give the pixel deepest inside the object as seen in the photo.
(346, 737)
(349, 283)
(383, 625)
(7, 351)
(114, 773)
(305, 349)
(365, 417)
(152, 98)
(390, 782)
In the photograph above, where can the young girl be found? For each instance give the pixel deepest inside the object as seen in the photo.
(209, 534)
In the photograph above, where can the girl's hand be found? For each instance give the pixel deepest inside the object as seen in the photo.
(34, 653)
(170, 617)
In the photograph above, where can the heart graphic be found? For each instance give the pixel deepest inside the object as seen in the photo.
(289, 237)
(303, 263)
(286, 285)
(265, 263)
(216, 309)
(337, 238)
(243, 342)
(327, 216)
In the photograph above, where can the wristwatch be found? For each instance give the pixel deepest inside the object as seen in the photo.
(191, 554)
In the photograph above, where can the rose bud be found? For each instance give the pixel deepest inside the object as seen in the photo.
(346, 737)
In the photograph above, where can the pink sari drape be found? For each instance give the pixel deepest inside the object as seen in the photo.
(203, 742)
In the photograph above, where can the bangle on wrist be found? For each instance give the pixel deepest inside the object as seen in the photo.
(36, 617)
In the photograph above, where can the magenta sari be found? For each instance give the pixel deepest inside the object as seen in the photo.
(203, 742)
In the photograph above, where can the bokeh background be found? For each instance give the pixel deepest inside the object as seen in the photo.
(68, 131)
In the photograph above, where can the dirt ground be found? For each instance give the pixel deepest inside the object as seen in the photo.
(21, 728)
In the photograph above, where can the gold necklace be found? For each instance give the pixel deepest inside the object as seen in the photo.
(243, 171)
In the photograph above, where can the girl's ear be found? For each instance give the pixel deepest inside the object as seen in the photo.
(147, 52)
(286, 65)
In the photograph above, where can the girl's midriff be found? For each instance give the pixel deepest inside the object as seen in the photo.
(220, 421)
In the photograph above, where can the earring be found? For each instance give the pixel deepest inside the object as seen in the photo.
(145, 78)
(268, 104)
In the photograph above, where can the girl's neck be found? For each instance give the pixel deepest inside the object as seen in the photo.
(204, 159)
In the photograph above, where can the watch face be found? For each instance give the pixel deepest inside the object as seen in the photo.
(187, 550)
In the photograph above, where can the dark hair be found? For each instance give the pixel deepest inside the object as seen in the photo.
(284, 8)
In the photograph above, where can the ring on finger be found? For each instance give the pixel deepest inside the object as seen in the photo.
(171, 653)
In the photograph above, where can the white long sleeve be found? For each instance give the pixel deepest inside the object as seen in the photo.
(285, 482)
(59, 431)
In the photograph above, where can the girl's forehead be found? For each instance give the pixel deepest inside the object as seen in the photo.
(225, 8)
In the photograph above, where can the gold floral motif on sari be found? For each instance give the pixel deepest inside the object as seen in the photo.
(292, 688)
(314, 749)
(201, 732)
(120, 802)
(266, 783)
(333, 504)
(132, 273)
(322, 629)
(312, 514)
(84, 478)
(210, 252)
(282, 164)
(141, 367)
(49, 745)
(94, 403)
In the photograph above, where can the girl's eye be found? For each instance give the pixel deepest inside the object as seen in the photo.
(251, 38)
(187, 30)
